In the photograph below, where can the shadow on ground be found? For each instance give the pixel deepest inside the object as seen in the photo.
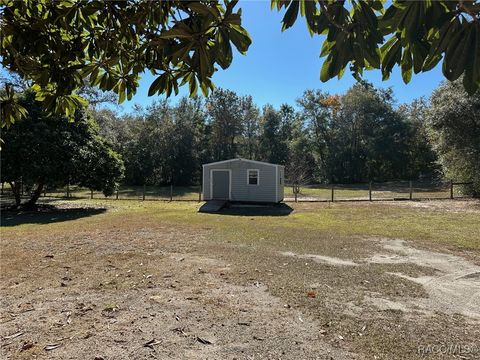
(45, 215)
(256, 210)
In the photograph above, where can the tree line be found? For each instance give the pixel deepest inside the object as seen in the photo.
(355, 137)
(359, 136)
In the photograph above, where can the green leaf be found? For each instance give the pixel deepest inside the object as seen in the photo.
(200, 8)
(121, 91)
(325, 71)
(455, 55)
(156, 86)
(471, 78)
(406, 65)
(391, 55)
(193, 86)
(223, 49)
(290, 15)
(240, 38)
(327, 48)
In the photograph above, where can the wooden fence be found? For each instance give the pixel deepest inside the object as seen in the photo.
(376, 191)
(373, 191)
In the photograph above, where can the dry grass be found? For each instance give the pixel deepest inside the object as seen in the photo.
(106, 282)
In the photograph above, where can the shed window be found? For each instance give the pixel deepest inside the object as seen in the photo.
(253, 176)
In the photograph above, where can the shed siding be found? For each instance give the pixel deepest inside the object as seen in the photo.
(281, 175)
(266, 191)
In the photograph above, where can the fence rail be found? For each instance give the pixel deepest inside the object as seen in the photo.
(373, 191)
(376, 191)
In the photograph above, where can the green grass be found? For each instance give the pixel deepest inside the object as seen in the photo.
(440, 226)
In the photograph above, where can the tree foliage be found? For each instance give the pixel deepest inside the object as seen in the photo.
(357, 136)
(375, 34)
(49, 151)
(454, 123)
(60, 45)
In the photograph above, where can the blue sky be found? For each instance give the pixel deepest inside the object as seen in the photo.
(279, 66)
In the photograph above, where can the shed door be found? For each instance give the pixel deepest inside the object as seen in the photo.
(220, 184)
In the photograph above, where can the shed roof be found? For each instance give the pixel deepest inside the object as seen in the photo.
(241, 159)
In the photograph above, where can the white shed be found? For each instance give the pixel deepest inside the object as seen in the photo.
(243, 180)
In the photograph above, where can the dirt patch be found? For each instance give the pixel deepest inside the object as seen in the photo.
(321, 259)
(454, 289)
(125, 295)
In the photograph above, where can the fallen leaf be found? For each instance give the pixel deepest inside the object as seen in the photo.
(13, 336)
(150, 344)
(258, 338)
(180, 330)
(203, 341)
(52, 346)
(312, 294)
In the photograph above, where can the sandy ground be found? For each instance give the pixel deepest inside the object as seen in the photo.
(454, 288)
(138, 288)
(188, 312)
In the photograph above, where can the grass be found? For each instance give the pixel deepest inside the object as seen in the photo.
(106, 250)
(437, 226)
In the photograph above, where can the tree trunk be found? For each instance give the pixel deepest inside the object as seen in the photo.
(35, 196)
(16, 192)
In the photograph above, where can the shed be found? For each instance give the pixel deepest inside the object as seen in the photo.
(243, 180)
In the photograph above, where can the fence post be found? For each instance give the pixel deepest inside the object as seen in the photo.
(45, 191)
(171, 192)
(451, 189)
(68, 190)
(333, 193)
(116, 195)
(91, 193)
(370, 191)
(143, 193)
(411, 190)
(200, 193)
(2, 188)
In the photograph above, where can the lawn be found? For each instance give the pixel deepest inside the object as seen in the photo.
(126, 279)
